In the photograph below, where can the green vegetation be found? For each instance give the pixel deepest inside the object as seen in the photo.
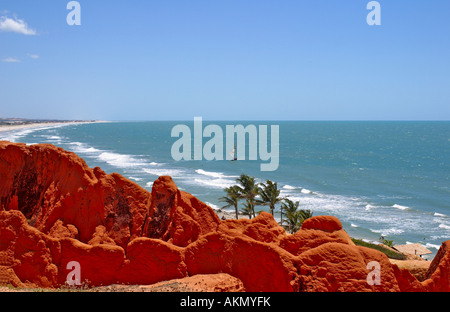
(388, 252)
(386, 242)
(232, 198)
(270, 195)
(295, 217)
(264, 194)
(248, 190)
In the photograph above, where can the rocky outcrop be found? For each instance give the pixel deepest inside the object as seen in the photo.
(54, 210)
(52, 187)
(438, 275)
(220, 282)
(177, 217)
(418, 268)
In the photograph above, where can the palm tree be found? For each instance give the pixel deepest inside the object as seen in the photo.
(232, 198)
(295, 217)
(282, 208)
(248, 210)
(248, 189)
(304, 214)
(270, 195)
(289, 207)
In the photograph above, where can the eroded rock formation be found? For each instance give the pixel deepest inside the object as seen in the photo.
(54, 209)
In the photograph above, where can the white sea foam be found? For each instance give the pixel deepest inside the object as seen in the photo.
(14, 136)
(444, 226)
(213, 174)
(52, 138)
(216, 183)
(386, 232)
(210, 174)
(114, 159)
(428, 245)
(119, 160)
(439, 237)
(400, 207)
(436, 214)
(215, 207)
(381, 219)
(135, 178)
(306, 191)
(111, 158)
(214, 179)
(296, 198)
(90, 150)
(149, 184)
(79, 147)
(289, 187)
(164, 172)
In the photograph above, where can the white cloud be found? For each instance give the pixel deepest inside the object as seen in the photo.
(33, 56)
(11, 60)
(15, 25)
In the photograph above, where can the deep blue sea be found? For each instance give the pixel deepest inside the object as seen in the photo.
(387, 179)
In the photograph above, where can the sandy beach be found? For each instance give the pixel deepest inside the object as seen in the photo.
(37, 125)
(228, 215)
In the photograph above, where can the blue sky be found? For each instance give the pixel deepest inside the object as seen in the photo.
(225, 60)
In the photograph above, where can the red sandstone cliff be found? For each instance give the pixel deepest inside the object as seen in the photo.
(54, 209)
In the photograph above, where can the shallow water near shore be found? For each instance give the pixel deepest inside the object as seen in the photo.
(386, 179)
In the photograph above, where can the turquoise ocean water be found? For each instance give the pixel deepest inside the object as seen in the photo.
(386, 179)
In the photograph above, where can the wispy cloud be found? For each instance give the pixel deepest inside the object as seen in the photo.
(33, 56)
(15, 25)
(11, 60)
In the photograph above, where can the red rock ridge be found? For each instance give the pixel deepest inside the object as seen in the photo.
(54, 209)
(60, 195)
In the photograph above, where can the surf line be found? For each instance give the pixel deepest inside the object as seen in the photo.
(213, 149)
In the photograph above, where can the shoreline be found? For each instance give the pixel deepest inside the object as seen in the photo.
(228, 215)
(37, 125)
